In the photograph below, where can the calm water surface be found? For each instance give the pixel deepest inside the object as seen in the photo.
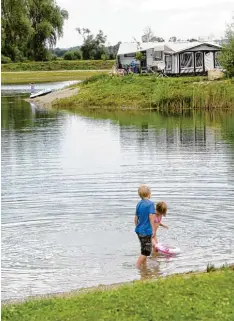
(69, 190)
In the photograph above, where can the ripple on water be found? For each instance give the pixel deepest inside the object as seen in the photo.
(69, 190)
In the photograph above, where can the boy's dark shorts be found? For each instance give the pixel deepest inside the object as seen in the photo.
(146, 244)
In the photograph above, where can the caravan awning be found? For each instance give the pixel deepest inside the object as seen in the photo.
(159, 47)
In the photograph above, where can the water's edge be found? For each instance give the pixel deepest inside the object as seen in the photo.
(102, 287)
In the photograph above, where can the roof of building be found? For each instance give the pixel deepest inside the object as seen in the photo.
(173, 47)
(181, 46)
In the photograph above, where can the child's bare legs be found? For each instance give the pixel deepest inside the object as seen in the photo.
(154, 242)
(141, 260)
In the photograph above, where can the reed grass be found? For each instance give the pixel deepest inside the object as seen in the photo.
(149, 93)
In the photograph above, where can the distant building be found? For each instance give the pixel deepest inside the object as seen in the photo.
(172, 57)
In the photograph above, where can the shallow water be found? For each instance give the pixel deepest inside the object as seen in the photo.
(69, 190)
(25, 88)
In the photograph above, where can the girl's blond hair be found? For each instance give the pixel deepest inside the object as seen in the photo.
(144, 191)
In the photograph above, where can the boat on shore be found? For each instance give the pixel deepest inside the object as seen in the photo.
(40, 93)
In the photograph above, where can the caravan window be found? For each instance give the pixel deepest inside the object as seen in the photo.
(216, 60)
(168, 62)
(186, 60)
(199, 59)
(158, 55)
(130, 55)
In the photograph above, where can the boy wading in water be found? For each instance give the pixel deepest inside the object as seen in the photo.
(144, 221)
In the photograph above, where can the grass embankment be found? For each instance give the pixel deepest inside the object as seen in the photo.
(206, 296)
(152, 93)
(46, 76)
(59, 65)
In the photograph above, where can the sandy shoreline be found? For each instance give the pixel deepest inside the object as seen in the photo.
(49, 99)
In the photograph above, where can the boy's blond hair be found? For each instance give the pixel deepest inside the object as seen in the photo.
(144, 191)
(161, 208)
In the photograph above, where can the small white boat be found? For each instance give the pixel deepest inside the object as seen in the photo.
(41, 93)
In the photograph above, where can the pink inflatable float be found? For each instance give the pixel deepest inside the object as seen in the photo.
(164, 249)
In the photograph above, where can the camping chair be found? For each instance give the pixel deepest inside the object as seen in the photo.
(150, 70)
(144, 70)
(161, 69)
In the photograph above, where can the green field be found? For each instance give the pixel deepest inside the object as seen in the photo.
(203, 297)
(134, 92)
(46, 76)
(59, 65)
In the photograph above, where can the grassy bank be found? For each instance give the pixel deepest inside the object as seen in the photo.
(46, 76)
(59, 65)
(152, 93)
(206, 296)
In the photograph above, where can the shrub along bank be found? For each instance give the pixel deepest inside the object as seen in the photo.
(59, 65)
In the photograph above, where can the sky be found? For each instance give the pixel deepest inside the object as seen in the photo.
(124, 20)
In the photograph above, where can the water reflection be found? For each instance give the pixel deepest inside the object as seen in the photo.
(69, 190)
(190, 127)
(25, 116)
(150, 271)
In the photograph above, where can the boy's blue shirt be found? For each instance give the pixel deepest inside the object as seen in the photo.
(143, 209)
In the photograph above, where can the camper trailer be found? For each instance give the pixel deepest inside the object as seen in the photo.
(173, 58)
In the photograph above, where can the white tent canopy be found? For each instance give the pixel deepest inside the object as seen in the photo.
(172, 47)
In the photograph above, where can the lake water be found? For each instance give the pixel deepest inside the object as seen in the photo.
(69, 191)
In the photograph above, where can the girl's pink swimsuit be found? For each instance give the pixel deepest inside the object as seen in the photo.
(158, 219)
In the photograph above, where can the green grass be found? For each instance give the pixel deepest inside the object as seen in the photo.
(45, 76)
(59, 65)
(152, 93)
(204, 297)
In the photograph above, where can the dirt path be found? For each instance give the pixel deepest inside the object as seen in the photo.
(49, 99)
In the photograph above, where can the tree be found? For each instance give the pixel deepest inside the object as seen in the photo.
(148, 34)
(157, 39)
(113, 50)
(139, 56)
(226, 57)
(192, 40)
(47, 20)
(59, 52)
(93, 47)
(29, 27)
(172, 39)
(16, 28)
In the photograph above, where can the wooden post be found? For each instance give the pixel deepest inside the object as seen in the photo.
(179, 64)
(194, 62)
(203, 61)
(214, 58)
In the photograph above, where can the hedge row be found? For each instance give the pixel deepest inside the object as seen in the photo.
(59, 65)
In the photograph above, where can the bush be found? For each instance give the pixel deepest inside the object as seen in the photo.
(68, 55)
(226, 58)
(53, 57)
(72, 55)
(5, 60)
(104, 56)
(77, 55)
(95, 78)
